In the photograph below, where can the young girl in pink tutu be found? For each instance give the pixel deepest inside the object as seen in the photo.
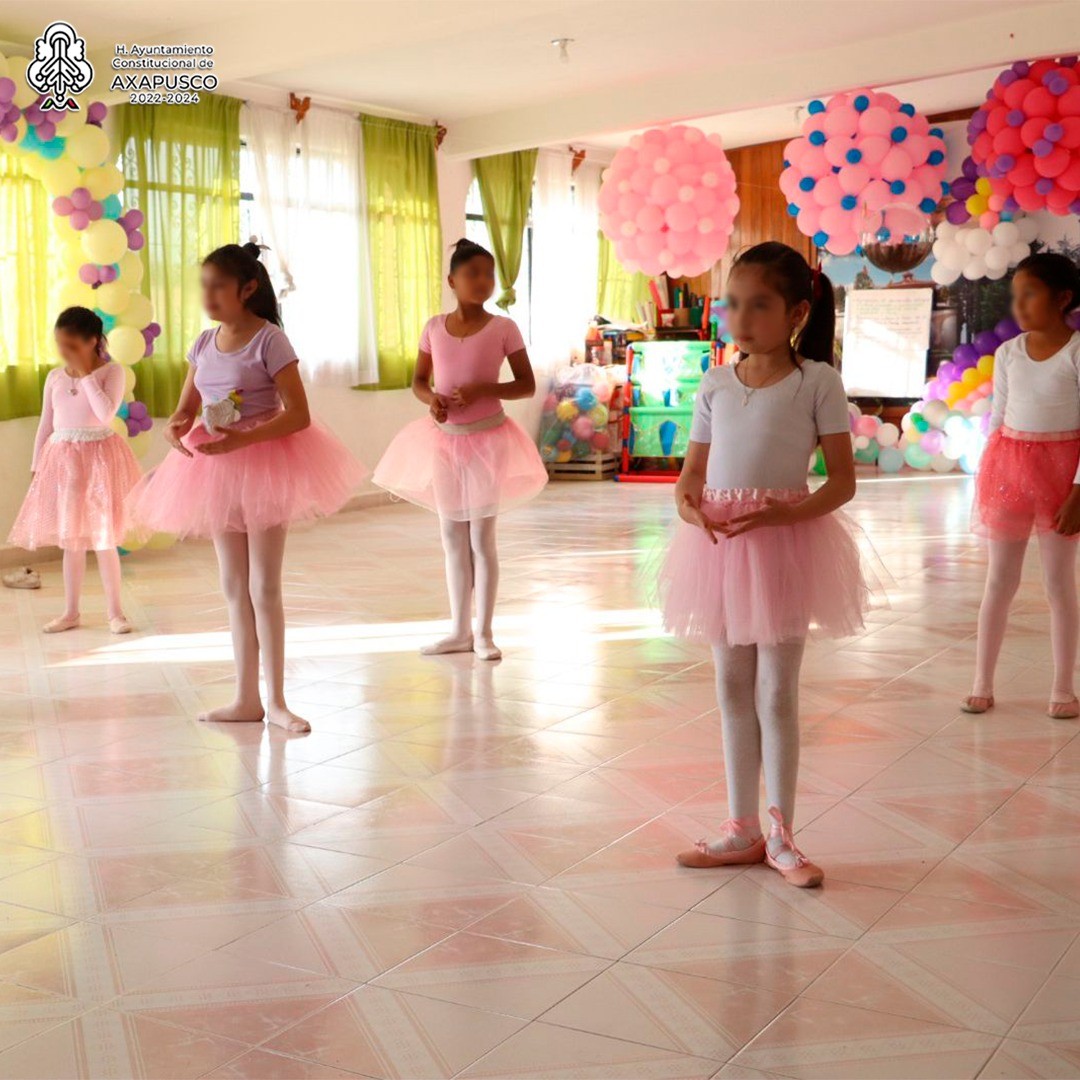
(83, 470)
(467, 461)
(757, 560)
(1029, 476)
(243, 471)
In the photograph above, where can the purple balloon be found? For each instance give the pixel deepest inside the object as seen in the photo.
(145, 424)
(1006, 329)
(956, 213)
(89, 274)
(133, 219)
(969, 168)
(7, 90)
(947, 372)
(986, 343)
(1073, 319)
(137, 410)
(96, 112)
(46, 131)
(962, 188)
(136, 240)
(107, 274)
(133, 428)
(154, 328)
(966, 355)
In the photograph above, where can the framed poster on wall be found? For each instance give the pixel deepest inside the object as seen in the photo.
(886, 340)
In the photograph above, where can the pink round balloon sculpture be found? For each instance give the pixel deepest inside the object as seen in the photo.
(668, 202)
(1025, 138)
(863, 162)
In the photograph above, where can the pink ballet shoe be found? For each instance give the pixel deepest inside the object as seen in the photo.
(977, 703)
(1063, 710)
(703, 856)
(797, 869)
(118, 624)
(60, 624)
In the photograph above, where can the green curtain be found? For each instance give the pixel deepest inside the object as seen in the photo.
(618, 291)
(505, 182)
(31, 255)
(182, 169)
(404, 238)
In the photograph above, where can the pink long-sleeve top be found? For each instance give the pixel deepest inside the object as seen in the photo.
(77, 404)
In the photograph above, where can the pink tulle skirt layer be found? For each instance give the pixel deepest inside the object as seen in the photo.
(1023, 479)
(765, 586)
(462, 476)
(76, 498)
(296, 478)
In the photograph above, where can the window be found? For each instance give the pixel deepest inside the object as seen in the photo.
(476, 229)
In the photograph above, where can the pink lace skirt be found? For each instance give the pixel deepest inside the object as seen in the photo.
(768, 585)
(76, 498)
(1023, 479)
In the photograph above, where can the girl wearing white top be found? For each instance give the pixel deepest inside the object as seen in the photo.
(757, 559)
(1029, 476)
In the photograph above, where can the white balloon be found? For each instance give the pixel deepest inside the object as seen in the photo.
(995, 274)
(946, 230)
(975, 268)
(1029, 228)
(941, 464)
(942, 274)
(997, 258)
(936, 413)
(1019, 251)
(1006, 233)
(978, 241)
(888, 435)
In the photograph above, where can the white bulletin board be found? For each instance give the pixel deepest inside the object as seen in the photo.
(886, 338)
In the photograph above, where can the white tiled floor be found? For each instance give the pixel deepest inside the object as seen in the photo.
(467, 868)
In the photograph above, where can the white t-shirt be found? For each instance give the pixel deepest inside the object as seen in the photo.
(1037, 395)
(767, 442)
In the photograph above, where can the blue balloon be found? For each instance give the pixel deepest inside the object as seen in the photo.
(821, 238)
(817, 138)
(861, 103)
(585, 399)
(815, 107)
(51, 150)
(122, 412)
(112, 207)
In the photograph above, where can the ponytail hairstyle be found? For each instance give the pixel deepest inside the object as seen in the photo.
(241, 262)
(791, 276)
(464, 250)
(1057, 272)
(84, 323)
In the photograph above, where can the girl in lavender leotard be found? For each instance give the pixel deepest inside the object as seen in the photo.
(252, 465)
(467, 461)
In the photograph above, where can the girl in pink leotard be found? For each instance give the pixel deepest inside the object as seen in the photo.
(83, 470)
(467, 461)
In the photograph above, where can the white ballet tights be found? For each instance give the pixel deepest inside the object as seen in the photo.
(472, 568)
(757, 687)
(108, 560)
(250, 566)
(1006, 563)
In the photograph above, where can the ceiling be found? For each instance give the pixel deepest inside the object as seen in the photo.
(487, 69)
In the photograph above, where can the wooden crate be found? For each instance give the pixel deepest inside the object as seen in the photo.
(601, 466)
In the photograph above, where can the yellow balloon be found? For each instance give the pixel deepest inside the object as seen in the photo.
(161, 541)
(88, 147)
(954, 394)
(103, 181)
(126, 345)
(131, 269)
(76, 294)
(119, 426)
(562, 455)
(71, 123)
(60, 177)
(139, 443)
(104, 242)
(33, 165)
(113, 298)
(131, 542)
(982, 186)
(25, 95)
(129, 384)
(139, 312)
(969, 379)
(977, 205)
(985, 366)
(566, 410)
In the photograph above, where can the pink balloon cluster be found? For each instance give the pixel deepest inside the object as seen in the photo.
(96, 112)
(43, 122)
(131, 222)
(1025, 138)
(668, 202)
(9, 111)
(149, 333)
(80, 206)
(93, 275)
(864, 162)
(138, 418)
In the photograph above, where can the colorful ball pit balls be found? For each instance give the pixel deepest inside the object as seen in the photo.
(863, 157)
(667, 202)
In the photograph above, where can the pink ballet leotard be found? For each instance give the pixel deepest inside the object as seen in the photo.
(479, 462)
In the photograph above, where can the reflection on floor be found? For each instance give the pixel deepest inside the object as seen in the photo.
(467, 868)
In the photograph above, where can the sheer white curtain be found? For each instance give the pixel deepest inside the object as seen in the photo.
(310, 208)
(565, 256)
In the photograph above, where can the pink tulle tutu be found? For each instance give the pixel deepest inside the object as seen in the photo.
(276, 482)
(76, 498)
(764, 586)
(1023, 479)
(462, 474)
